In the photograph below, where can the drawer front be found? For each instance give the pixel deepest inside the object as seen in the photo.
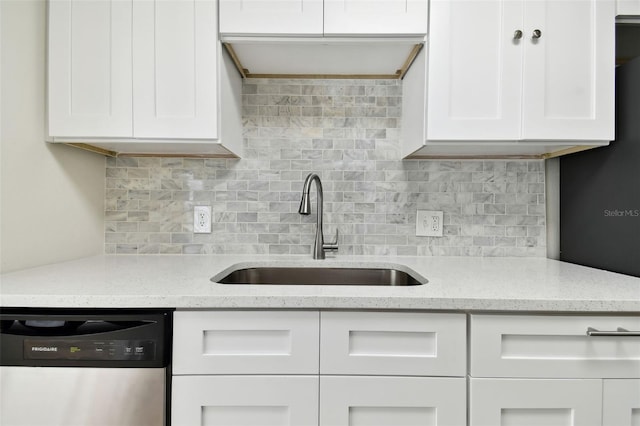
(539, 402)
(245, 342)
(553, 346)
(393, 343)
(621, 402)
(392, 401)
(244, 400)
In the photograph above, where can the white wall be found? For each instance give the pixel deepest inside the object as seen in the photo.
(52, 196)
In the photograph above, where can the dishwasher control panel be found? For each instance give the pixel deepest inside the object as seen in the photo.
(89, 350)
(92, 338)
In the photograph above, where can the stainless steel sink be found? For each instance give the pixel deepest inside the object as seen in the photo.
(321, 276)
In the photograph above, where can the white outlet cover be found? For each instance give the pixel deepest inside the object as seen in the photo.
(429, 223)
(202, 220)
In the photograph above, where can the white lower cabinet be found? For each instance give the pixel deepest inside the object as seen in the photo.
(245, 342)
(621, 402)
(392, 401)
(542, 402)
(534, 402)
(393, 343)
(299, 368)
(364, 368)
(554, 370)
(244, 400)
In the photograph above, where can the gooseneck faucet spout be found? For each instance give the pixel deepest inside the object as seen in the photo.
(319, 247)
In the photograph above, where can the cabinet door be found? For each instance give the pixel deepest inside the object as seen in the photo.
(245, 342)
(374, 17)
(475, 70)
(569, 70)
(621, 403)
(392, 401)
(290, 17)
(174, 69)
(393, 343)
(89, 63)
(520, 402)
(244, 400)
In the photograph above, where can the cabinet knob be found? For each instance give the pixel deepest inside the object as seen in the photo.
(536, 34)
(517, 35)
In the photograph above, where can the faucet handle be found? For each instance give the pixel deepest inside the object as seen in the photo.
(333, 245)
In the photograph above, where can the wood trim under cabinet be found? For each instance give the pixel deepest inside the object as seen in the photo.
(109, 153)
(398, 75)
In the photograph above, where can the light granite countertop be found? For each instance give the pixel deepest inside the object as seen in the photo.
(460, 283)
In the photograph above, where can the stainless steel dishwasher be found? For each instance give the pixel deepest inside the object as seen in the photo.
(84, 367)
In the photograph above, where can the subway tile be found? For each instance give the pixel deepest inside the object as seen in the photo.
(349, 132)
(126, 248)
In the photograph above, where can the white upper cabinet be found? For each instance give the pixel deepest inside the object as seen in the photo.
(273, 17)
(347, 17)
(535, 70)
(141, 76)
(90, 68)
(174, 84)
(499, 72)
(475, 70)
(328, 17)
(569, 71)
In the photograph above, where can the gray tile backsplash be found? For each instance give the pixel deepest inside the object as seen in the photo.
(348, 132)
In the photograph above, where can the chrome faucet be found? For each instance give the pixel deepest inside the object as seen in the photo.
(319, 248)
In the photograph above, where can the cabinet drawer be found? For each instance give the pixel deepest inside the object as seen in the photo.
(244, 400)
(621, 402)
(245, 342)
(540, 402)
(553, 346)
(393, 343)
(386, 401)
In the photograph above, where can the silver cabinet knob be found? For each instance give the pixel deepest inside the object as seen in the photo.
(536, 34)
(517, 35)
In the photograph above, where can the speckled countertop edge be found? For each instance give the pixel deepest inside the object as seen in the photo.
(460, 284)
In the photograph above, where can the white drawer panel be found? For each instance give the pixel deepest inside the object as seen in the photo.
(538, 402)
(244, 400)
(392, 401)
(621, 402)
(393, 343)
(245, 342)
(553, 346)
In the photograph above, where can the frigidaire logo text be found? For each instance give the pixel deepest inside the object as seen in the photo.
(622, 213)
(44, 349)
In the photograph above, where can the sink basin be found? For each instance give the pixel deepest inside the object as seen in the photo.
(320, 276)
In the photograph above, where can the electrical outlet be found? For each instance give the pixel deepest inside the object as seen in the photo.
(429, 223)
(202, 219)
